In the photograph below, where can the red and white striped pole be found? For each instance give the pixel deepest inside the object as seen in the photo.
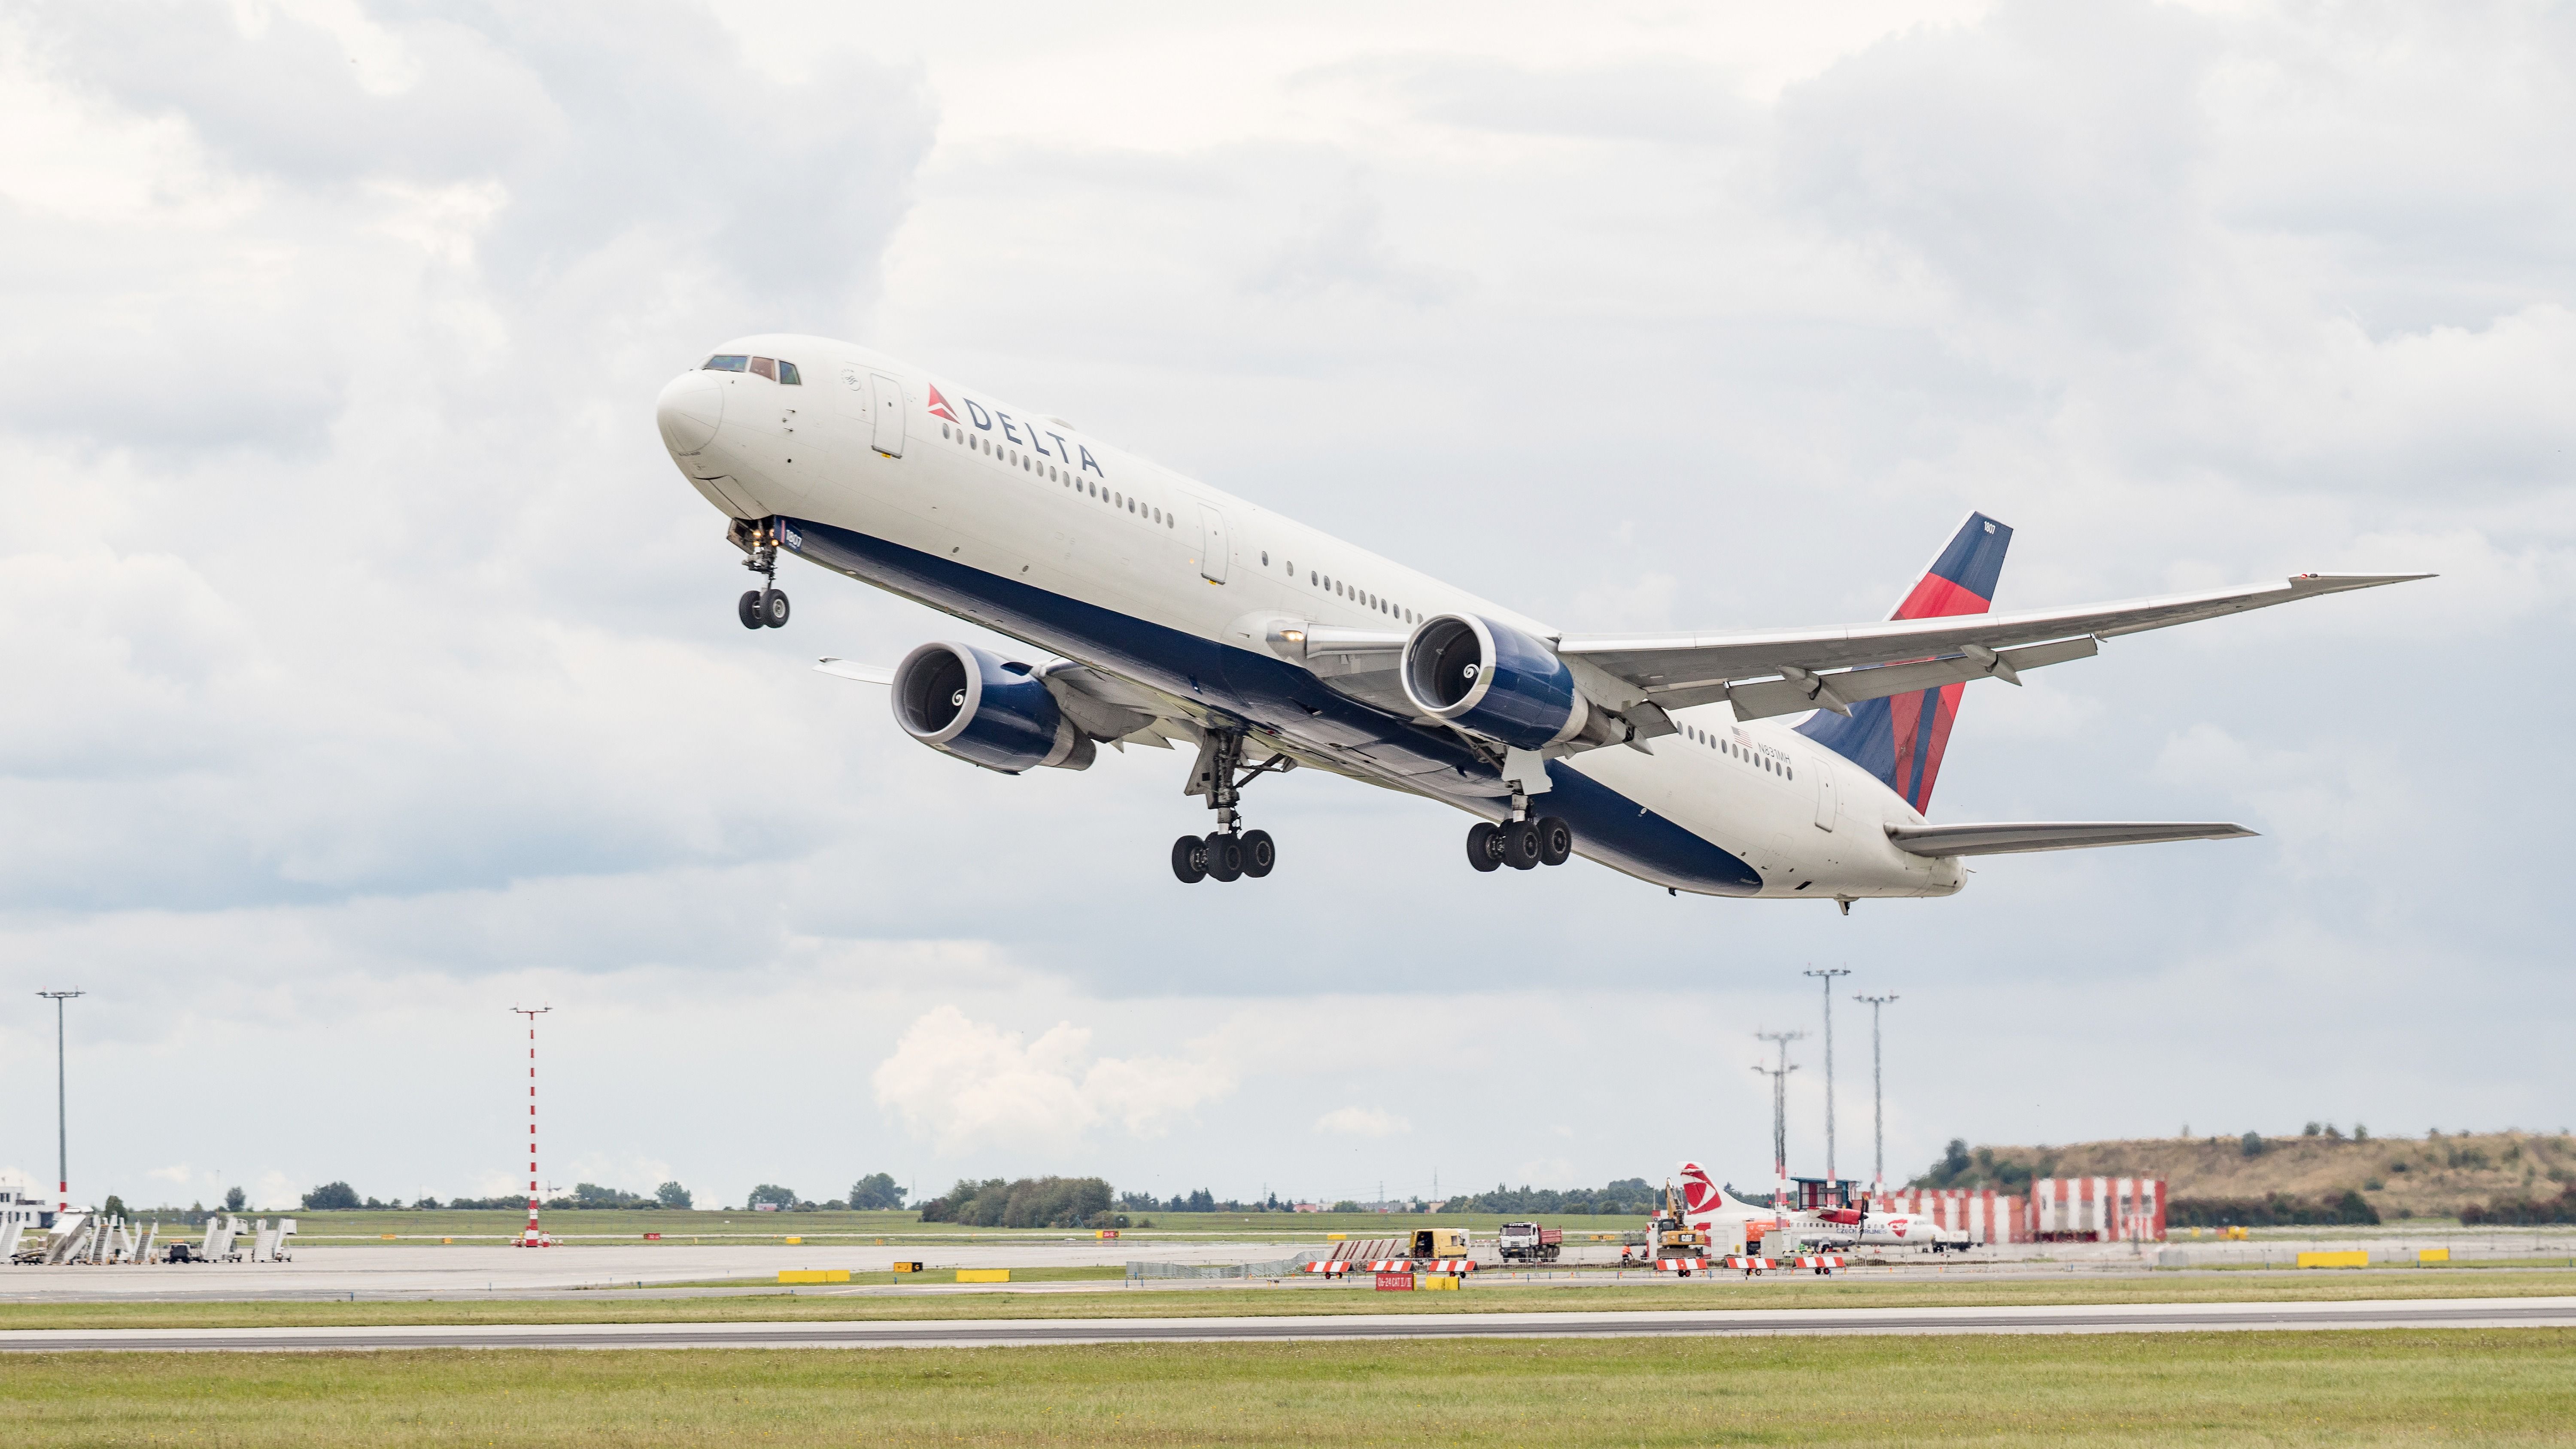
(534, 1237)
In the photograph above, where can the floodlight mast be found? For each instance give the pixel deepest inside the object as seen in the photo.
(1827, 976)
(534, 1237)
(62, 1110)
(1877, 1103)
(1779, 1113)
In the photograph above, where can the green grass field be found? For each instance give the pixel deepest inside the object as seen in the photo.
(2392, 1387)
(1115, 1301)
(576, 1226)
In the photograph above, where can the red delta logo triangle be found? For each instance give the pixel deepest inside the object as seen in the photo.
(938, 404)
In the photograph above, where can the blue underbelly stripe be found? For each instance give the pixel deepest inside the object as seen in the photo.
(1262, 690)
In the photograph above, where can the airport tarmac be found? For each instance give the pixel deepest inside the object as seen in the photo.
(998, 1333)
(403, 1270)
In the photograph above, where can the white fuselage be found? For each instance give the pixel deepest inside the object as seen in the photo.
(1140, 556)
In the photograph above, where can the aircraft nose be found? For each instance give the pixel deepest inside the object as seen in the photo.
(690, 408)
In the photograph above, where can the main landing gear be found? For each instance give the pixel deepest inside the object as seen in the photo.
(765, 607)
(1520, 842)
(1229, 852)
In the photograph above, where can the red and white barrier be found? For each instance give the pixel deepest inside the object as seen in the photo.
(1751, 1265)
(1821, 1263)
(1681, 1265)
(2097, 1209)
(1422, 1265)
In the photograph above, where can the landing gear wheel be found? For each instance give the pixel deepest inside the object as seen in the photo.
(1190, 859)
(1259, 854)
(1482, 852)
(747, 608)
(1555, 840)
(773, 608)
(1225, 857)
(1520, 845)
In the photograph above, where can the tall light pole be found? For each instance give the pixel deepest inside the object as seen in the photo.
(62, 1110)
(1877, 1103)
(1779, 1112)
(534, 1237)
(1827, 976)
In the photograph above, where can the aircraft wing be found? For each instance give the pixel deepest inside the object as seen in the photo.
(2013, 838)
(1774, 672)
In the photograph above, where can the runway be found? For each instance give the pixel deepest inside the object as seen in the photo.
(1026, 1332)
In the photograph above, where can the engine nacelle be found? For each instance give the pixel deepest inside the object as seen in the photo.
(962, 701)
(1492, 681)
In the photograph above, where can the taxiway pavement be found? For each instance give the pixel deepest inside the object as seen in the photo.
(1023, 1332)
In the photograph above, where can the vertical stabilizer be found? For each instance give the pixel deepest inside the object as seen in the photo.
(1901, 739)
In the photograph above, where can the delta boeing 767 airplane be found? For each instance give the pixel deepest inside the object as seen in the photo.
(1180, 614)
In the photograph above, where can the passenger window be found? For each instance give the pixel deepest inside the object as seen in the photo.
(727, 362)
(788, 375)
(1265, 558)
(766, 367)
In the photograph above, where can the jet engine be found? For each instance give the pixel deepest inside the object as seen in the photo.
(962, 701)
(1493, 681)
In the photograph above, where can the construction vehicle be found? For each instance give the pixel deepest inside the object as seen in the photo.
(1438, 1243)
(1530, 1243)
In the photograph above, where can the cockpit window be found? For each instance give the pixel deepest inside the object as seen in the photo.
(787, 374)
(766, 367)
(726, 362)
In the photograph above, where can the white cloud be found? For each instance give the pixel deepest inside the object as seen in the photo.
(370, 664)
(1362, 1122)
(965, 1084)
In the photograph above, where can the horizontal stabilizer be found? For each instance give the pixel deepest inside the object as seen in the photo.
(2010, 838)
(852, 669)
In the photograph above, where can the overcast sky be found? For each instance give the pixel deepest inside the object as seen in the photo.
(370, 669)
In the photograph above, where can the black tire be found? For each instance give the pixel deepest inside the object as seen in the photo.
(747, 608)
(773, 608)
(1260, 853)
(1189, 859)
(1521, 845)
(1555, 840)
(1481, 850)
(1225, 857)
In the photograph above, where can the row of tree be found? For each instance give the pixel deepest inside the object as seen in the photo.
(1627, 1197)
(1031, 1202)
(2522, 1211)
(878, 1191)
(332, 1196)
(2276, 1210)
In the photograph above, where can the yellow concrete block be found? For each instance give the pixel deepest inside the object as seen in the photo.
(1337, 1237)
(2355, 1259)
(1433, 1283)
(2433, 1255)
(795, 1240)
(813, 1275)
(388, 1237)
(983, 1275)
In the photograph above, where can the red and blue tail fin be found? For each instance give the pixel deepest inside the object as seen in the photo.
(1901, 739)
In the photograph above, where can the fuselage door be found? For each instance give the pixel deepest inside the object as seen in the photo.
(1214, 546)
(889, 415)
(1823, 770)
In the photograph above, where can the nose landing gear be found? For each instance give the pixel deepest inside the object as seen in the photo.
(766, 607)
(1229, 852)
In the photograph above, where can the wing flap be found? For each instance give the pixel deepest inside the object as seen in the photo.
(1703, 665)
(2016, 837)
(1842, 689)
